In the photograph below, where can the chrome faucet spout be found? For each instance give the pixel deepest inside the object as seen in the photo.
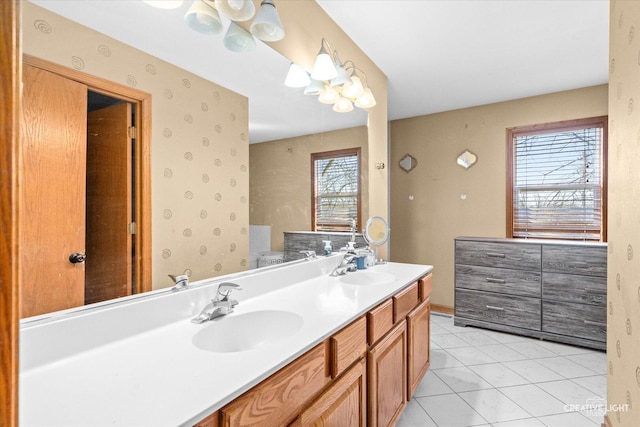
(346, 264)
(219, 306)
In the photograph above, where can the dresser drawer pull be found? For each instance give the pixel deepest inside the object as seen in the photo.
(493, 307)
(592, 323)
(495, 255)
(494, 280)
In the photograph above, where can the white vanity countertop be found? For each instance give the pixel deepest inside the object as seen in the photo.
(158, 377)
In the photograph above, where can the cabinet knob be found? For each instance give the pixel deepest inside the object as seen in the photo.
(77, 257)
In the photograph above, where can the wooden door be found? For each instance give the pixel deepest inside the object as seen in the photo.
(418, 323)
(344, 404)
(52, 191)
(387, 377)
(108, 241)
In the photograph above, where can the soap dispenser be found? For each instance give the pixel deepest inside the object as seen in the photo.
(327, 247)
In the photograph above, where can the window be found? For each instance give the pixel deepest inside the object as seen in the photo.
(335, 180)
(556, 186)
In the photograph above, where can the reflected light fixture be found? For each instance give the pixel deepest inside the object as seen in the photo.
(297, 76)
(333, 82)
(203, 18)
(236, 10)
(237, 39)
(164, 4)
(343, 105)
(323, 68)
(267, 26)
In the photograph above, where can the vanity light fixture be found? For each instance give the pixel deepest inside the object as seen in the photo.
(236, 10)
(237, 39)
(297, 76)
(334, 82)
(204, 16)
(267, 26)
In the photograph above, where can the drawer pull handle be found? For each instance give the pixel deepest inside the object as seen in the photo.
(494, 280)
(592, 323)
(495, 255)
(493, 307)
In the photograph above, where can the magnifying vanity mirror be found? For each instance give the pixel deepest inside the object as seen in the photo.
(376, 232)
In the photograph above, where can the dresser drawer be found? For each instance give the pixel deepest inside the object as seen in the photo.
(347, 346)
(500, 280)
(585, 260)
(523, 312)
(519, 256)
(576, 320)
(574, 288)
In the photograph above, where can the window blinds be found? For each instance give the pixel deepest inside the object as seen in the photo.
(336, 192)
(557, 184)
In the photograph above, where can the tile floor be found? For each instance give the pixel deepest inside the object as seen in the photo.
(486, 378)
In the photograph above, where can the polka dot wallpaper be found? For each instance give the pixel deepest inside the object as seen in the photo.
(623, 339)
(199, 147)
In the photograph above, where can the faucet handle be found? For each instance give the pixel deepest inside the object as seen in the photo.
(225, 288)
(181, 281)
(309, 254)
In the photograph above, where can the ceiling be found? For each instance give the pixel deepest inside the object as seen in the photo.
(438, 55)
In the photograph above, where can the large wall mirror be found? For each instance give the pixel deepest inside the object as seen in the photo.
(209, 106)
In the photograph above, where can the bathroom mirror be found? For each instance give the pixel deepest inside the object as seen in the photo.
(268, 120)
(376, 231)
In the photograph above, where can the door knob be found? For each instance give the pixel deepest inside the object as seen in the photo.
(77, 257)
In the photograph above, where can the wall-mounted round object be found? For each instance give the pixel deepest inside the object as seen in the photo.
(376, 232)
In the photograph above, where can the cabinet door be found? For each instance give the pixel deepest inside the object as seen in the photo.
(344, 404)
(418, 336)
(387, 377)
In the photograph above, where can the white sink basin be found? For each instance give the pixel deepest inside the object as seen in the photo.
(367, 278)
(242, 332)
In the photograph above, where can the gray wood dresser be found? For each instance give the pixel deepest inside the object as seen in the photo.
(554, 290)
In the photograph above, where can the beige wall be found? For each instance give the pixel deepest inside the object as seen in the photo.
(199, 147)
(423, 229)
(280, 179)
(623, 294)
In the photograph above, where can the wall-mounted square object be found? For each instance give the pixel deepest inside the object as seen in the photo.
(467, 159)
(408, 162)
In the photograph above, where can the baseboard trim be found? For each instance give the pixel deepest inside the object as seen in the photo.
(442, 309)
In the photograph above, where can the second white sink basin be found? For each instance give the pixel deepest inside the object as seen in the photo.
(247, 331)
(368, 278)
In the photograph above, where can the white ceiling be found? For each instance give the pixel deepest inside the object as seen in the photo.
(439, 55)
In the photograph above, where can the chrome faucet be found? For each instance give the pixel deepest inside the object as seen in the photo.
(181, 282)
(309, 254)
(219, 306)
(346, 264)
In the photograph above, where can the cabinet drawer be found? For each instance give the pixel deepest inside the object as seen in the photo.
(520, 256)
(576, 320)
(588, 260)
(425, 286)
(379, 321)
(574, 288)
(347, 346)
(277, 399)
(523, 312)
(405, 301)
(500, 280)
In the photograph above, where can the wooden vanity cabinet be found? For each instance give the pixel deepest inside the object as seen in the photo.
(387, 376)
(363, 375)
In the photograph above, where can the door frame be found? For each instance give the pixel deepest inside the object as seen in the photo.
(142, 106)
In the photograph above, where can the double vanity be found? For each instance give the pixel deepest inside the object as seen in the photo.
(300, 345)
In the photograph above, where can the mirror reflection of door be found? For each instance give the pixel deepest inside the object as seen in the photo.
(76, 196)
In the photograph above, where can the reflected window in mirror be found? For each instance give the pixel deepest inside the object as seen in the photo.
(336, 198)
